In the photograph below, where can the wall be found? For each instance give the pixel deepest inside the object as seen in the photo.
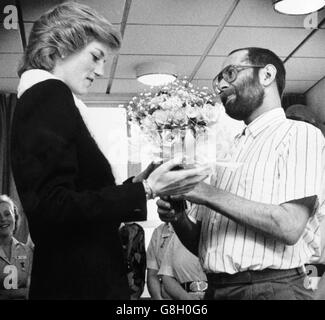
(315, 99)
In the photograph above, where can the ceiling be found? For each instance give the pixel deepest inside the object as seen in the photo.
(194, 35)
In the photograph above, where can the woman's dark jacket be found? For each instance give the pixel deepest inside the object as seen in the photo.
(70, 198)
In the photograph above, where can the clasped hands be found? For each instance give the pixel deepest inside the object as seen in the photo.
(174, 185)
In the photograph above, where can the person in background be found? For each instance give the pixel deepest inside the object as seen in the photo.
(320, 272)
(155, 253)
(257, 225)
(172, 271)
(316, 268)
(181, 272)
(133, 242)
(320, 266)
(15, 257)
(64, 181)
(304, 113)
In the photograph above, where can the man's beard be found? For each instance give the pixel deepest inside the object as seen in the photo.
(242, 100)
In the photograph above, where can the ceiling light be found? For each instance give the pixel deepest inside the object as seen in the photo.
(298, 7)
(155, 73)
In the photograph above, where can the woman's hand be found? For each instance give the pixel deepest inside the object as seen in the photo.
(166, 181)
(146, 172)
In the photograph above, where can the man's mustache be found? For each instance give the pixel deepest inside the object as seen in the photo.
(226, 93)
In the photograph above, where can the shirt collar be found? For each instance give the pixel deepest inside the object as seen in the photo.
(265, 120)
(167, 230)
(14, 244)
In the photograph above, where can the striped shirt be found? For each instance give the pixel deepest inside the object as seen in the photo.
(281, 160)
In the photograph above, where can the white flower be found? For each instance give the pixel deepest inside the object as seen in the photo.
(210, 114)
(182, 93)
(170, 103)
(149, 123)
(176, 102)
(160, 116)
(180, 117)
(192, 112)
(157, 100)
(166, 105)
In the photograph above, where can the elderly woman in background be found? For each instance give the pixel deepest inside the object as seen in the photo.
(15, 257)
(64, 181)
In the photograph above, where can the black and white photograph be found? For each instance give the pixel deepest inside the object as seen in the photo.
(156, 152)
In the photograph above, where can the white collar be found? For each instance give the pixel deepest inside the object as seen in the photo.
(264, 121)
(31, 77)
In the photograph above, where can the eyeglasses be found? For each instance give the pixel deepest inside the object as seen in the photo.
(229, 74)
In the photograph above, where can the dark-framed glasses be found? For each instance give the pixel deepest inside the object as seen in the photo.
(229, 74)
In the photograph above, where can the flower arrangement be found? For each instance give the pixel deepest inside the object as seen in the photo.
(176, 118)
(177, 105)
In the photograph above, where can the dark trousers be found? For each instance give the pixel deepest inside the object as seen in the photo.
(268, 284)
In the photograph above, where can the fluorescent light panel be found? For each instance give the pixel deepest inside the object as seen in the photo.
(298, 7)
(156, 79)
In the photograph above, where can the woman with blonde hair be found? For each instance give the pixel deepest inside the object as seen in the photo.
(64, 181)
(15, 257)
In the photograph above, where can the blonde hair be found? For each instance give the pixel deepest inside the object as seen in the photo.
(64, 30)
(5, 199)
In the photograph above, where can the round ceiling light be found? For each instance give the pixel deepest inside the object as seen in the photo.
(298, 7)
(155, 73)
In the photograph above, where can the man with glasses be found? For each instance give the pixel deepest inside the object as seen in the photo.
(254, 227)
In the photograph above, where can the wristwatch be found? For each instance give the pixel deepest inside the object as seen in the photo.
(148, 190)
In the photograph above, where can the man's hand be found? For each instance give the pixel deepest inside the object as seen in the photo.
(187, 231)
(166, 211)
(197, 195)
